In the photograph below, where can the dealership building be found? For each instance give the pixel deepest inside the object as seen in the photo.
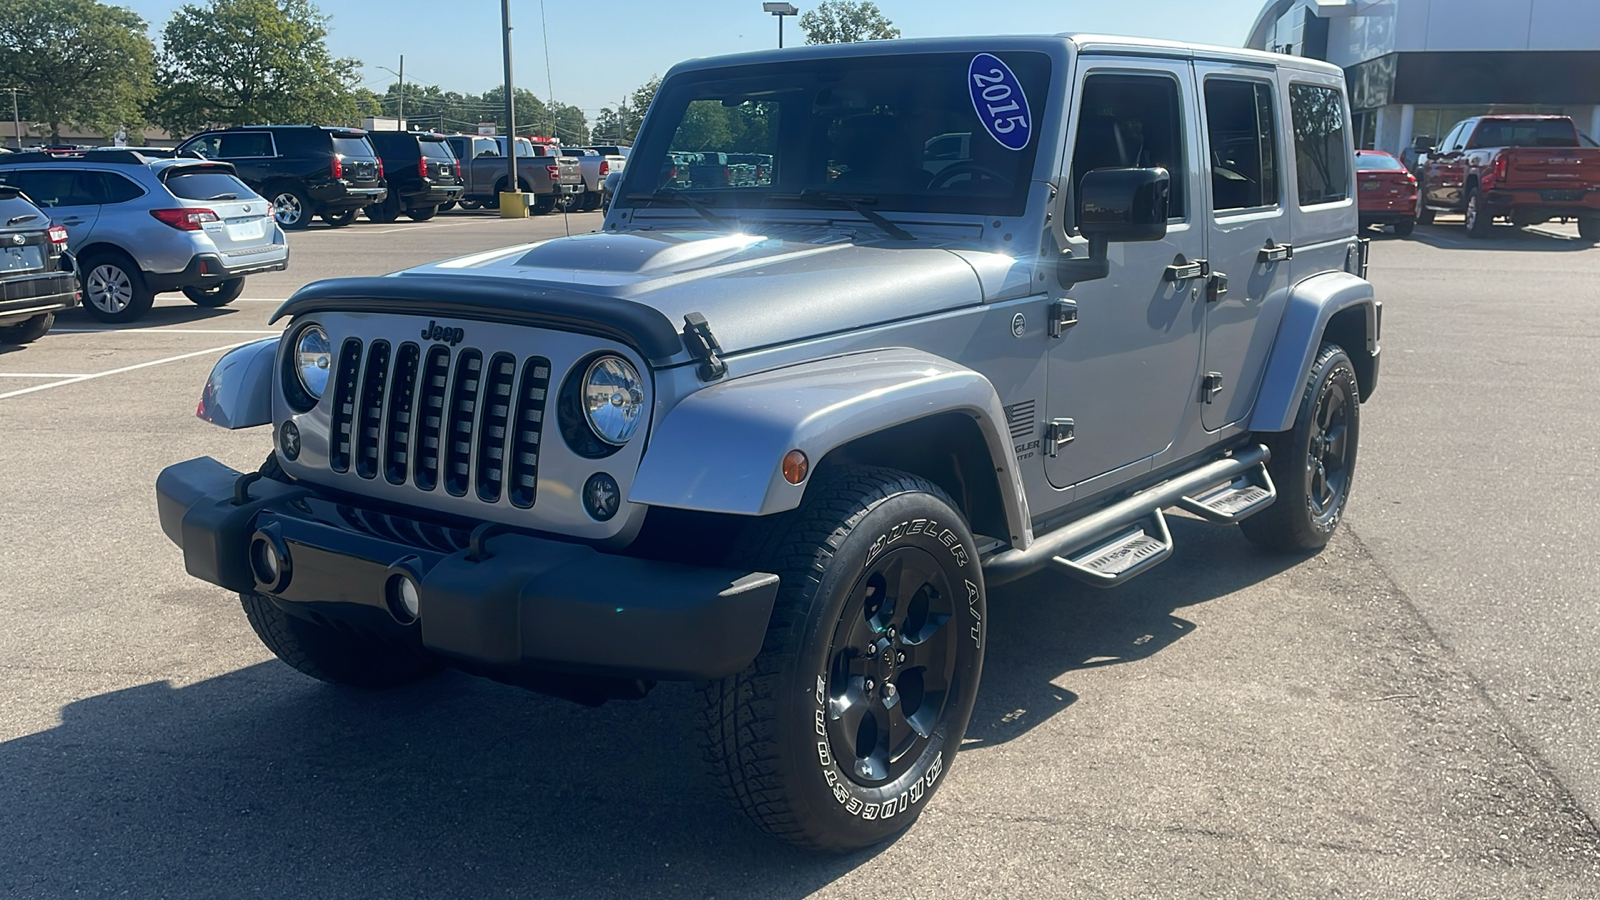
(1417, 67)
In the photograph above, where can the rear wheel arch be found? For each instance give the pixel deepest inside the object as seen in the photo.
(1348, 329)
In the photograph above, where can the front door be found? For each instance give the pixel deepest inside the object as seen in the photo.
(1125, 373)
(1248, 245)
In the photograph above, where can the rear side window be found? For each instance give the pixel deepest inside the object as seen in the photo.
(353, 146)
(1321, 147)
(1243, 137)
(55, 187)
(116, 189)
(205, 185)
(1131, 121)
(436, 150)
(244, 145)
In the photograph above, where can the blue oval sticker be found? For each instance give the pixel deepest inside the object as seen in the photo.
(998, 99)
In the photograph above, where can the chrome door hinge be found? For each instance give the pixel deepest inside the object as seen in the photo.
(1210, 386)
(1216, 286)
(1063, 315)
(1057, 434)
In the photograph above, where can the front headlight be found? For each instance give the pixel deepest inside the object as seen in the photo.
(313, 358)
(613, 397)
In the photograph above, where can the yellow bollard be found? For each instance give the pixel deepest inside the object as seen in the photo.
(513, 205)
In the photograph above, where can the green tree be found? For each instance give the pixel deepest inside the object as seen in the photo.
(231, 62)
(620, 123)
(79, 63)
(533, 117)
(845, 22)
(571, 125)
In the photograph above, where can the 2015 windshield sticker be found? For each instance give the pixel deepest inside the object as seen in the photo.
(1001, 105)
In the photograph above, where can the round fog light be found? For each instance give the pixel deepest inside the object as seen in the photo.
(404, 598)
(601, 497)
(269, 562)
(289, 440)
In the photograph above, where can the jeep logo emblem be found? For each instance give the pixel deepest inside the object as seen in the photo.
(437, 332)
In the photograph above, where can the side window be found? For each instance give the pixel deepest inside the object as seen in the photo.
(1243, 140)
(206, 146)
(116, 189)
(1449, 142)
(48, 187)
(1321, 149)
(1131, 121)
(245, 145)
(485, 147)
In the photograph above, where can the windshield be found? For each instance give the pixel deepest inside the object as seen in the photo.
(944, 132)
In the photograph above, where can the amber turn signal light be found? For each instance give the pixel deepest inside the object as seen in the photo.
(795, 467)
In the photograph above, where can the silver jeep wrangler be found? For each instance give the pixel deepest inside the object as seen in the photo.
(994, 306)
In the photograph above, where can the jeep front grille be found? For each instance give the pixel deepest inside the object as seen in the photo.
(436, 416)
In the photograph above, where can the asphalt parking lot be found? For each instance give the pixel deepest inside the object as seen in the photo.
(1410, 713)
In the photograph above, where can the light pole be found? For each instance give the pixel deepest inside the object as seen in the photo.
(511, 112)
(401, 117)
(779, 10)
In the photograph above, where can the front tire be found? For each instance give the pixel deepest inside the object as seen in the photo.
(422, 213)
(1405, 228)
(217, 295)
(1589, 228)
(1313, 463)
(838, 733)
(332, 655)
(385, 212)
(342, 218)
(28, 330)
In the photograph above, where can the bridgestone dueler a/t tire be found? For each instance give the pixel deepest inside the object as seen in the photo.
(1292, 524)
(766, 739)
(332, 655)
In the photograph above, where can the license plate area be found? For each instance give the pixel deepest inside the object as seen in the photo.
(21, 259)
(246, 231)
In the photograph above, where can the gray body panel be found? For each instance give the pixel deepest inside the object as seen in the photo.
(239, 392)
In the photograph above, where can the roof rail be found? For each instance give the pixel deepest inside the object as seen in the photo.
(114, 155)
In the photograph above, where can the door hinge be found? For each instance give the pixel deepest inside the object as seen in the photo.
(1210, 386)
(1057, 434)
(1216, 286)
(1063, 315)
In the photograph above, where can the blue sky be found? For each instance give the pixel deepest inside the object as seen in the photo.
(600, 50)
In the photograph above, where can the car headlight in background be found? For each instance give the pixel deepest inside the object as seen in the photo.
(313, 360)
(612, 395)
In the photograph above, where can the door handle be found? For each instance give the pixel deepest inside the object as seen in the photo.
(1272, 253)
(1185, 271)
(72, 221)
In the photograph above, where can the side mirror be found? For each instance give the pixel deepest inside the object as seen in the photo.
(1122, 205)
(613, 181)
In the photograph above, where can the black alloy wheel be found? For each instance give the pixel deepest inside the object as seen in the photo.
(1314, 462)
(891, 663)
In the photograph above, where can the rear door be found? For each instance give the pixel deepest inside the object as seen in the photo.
(1247, 238)
(253, 153)
(360, 160)
(1124, 375)
(1321, 184)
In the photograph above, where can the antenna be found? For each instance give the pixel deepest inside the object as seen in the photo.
(550, 85)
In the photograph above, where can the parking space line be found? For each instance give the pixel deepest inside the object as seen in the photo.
(144, 365)
(37, 375)
(160, 330)
(415, 228)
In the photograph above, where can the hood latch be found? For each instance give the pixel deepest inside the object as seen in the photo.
(703, 346)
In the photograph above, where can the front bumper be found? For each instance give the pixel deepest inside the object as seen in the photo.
(514, 606)
(208, 268)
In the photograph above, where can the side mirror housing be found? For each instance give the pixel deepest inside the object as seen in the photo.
(612, 182)
(1121, 205)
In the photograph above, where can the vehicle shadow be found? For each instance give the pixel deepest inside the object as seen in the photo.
(161, 314)
(264, 782)
(1453, 236)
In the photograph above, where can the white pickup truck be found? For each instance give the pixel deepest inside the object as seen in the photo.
(595, 165)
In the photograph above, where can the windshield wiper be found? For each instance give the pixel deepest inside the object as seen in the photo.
(858, 205)
(223, 197)
(703, 210)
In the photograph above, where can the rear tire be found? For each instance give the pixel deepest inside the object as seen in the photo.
(422, 213)
(291, 207)
(217, 295)
(1479, 220)
(875, 646)
(1425, 216)
(336, 656)
(543, 204)
(385, 212)
(114, 290)
(447, 206)
(1314, 462)
(1589, 229)
(342, 218)
(28, 330)
(1404, 228)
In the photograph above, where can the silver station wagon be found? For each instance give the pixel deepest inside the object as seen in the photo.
(986, 307)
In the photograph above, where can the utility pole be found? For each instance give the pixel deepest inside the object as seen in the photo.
(400, 120)
(511, 106)
(16, 120)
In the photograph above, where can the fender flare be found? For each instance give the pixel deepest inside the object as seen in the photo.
(721, 449)
(1311, 306)
(239, 392)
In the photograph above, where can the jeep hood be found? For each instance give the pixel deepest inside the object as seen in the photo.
(754, 290)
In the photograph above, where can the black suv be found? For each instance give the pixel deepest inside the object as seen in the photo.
(303, 170)
(422, 172)
(37, 276)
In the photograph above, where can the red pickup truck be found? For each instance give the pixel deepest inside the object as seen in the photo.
(1529, 169)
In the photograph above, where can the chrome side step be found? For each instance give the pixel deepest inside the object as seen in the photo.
(1138, 548)
(1112, 545)
(1239, 499)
